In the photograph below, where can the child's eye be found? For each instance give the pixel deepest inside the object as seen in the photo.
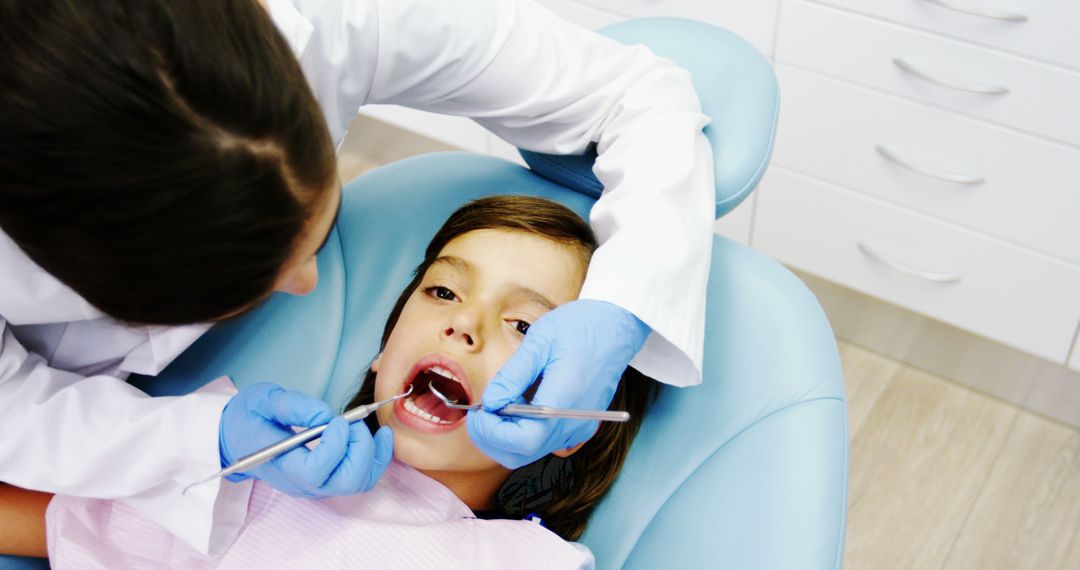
(440, 292)
(520, 326)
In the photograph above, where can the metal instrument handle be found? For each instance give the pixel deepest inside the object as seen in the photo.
(534, 411)
(945, 176)
(531, 411)
(981, 12)
(948, 83)
(267, 453)
(905, 269)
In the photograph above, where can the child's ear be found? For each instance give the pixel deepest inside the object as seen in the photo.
(375, 363)
(564, 453)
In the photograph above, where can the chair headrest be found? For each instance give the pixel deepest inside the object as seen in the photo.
(737, 89)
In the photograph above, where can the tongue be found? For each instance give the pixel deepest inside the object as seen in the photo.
(431, 404)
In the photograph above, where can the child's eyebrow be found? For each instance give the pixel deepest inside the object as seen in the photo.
(465, 266)
(534, 296)
(457, 262)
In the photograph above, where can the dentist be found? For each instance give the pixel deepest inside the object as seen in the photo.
(165, 164)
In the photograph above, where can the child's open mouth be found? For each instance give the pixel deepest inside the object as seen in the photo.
(425, 411)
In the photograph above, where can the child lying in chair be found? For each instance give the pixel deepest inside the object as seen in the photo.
(494, 267)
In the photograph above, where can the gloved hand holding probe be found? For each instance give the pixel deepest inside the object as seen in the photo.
(581, 349)
(348, 459)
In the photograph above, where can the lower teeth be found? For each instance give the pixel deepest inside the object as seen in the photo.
(411, 406)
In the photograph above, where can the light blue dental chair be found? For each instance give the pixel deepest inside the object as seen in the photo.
(746, 471)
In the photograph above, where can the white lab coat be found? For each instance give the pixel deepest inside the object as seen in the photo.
(71, 424)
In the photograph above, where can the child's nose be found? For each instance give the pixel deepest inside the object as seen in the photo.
(464, 326)
(466, 337)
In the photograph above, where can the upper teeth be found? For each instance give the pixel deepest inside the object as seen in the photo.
(443, 372)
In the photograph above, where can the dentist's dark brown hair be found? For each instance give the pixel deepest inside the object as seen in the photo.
(597, 463)
(159, 157)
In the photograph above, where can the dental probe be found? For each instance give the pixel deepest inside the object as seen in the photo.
(271, 451)
(531, 411)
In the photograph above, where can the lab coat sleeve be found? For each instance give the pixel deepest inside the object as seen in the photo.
(549, 86)
(100, 437)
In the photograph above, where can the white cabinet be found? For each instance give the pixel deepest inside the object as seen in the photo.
(1001, 182)
(1041, 29)
(931, 158)
(964, 78)
(941, 270)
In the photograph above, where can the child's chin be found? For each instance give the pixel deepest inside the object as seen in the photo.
(422, 455)
(427, 456)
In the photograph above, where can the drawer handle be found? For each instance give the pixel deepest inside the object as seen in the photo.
(981, 12)
(945, 176)
(906, 270)
(969, 87)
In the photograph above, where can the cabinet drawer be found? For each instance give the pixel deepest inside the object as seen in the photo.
(1010, 295)
(754, 20)
(1030, 188)
(1039, 98)
(1048, 33)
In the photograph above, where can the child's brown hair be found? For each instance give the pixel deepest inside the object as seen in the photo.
(565, 507)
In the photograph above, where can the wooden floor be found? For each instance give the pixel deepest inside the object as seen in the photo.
(945, 477)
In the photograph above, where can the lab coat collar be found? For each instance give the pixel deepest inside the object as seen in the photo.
(33, 296)
(30, 295)
(162, 347)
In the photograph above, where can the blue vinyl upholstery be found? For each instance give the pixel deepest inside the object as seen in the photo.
(747, 470)
(737, 89)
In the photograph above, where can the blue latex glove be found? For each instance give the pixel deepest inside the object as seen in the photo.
(582, 349)
(348, 459)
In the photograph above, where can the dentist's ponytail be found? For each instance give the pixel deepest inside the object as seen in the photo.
(159, 157)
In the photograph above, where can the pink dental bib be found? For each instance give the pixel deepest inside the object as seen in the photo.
(407, 521)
